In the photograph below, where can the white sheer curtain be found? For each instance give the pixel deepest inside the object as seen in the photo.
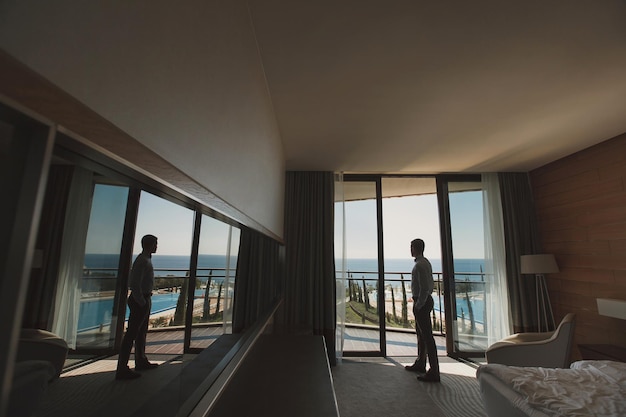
(498, 320)
(67, 296)
(340, 267)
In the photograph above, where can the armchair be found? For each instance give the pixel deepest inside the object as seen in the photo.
(544, 349)
(38, 344)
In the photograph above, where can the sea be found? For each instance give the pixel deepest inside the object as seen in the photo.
(94, 312)
(462, 267)
(164, 265)
(177, 265)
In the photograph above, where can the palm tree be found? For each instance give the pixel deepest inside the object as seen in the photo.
(405, 312)
(181, 304)
(207, 299)
(219, 298)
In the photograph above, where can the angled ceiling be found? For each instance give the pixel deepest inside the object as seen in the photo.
(410, 86)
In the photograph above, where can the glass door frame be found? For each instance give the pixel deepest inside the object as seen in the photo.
(126, 261)
(381, 269)
(69, 149)
(191, 283)
(447, 261)
(380, 300)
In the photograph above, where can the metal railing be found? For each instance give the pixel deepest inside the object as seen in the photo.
(470, 288)
(98, 290)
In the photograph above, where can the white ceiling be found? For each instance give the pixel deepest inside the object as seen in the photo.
(414, 86)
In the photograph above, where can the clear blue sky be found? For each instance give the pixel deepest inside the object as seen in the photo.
(171, 223)
(404, 219)
(407, 218)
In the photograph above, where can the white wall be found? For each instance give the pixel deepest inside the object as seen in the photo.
(183, 78)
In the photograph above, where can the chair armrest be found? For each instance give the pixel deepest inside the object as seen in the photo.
(544, 353)
(528, 337)
(38, 344)
(545, 349)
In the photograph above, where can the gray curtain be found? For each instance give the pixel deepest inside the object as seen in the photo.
(44, 277)
(310, 261)
(521, 238)
(258, 278)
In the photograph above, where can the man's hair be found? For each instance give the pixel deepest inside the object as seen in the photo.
(148, 240)
(418, 244)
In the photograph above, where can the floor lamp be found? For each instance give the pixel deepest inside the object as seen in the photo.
(539, 265)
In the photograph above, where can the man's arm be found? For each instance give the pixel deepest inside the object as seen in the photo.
(421, 287)
(136, 276)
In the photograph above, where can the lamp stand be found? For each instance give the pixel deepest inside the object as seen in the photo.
(543, 298)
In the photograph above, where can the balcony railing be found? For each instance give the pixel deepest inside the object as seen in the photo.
(361, 299)
(169, 301)
(169, 297)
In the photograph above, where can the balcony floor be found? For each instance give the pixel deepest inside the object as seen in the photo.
(356, 339)
(399, 343)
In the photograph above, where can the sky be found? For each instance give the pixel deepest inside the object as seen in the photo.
(407, 218)
(171, 223)
(404, 219)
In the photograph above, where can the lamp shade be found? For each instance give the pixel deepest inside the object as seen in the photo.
(539, 264)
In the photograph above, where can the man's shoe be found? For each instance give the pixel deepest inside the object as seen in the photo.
(416, 368)
(127, 373)
(429, 377)
(145, 366)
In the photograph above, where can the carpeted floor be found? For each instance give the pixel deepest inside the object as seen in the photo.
(377, 386)
(458, 394)
(364, 387)
(92, 390)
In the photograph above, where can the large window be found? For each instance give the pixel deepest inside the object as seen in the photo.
(410, 211)
(382, 217)
(362, 315)
(172, 224)
(194, 285)
(96, 323)
(215, 281)
(383, 214)
(468, 249)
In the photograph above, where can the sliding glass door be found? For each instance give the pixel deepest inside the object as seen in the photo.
(464, 265)
(97, 319)
(214, 284)
(364, 290)
(90, 237)
(383, 214)
(172, 224)
(410, 211)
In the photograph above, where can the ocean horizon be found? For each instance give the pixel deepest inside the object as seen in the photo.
(176, 265)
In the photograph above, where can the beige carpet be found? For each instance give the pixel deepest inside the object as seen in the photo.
(92, 390)
(382, 387)
(364, 387)
(458, 394)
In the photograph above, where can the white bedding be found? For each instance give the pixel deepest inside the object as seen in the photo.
(588, 388)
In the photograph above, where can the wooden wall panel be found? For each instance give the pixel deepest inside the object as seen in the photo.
(580, 202)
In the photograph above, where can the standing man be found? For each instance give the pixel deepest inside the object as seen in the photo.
(422, 285)
(140, 302)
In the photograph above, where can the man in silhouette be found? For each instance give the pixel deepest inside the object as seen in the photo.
(141, 284)
(422, 285)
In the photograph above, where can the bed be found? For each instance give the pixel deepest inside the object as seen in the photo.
(586, 388)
